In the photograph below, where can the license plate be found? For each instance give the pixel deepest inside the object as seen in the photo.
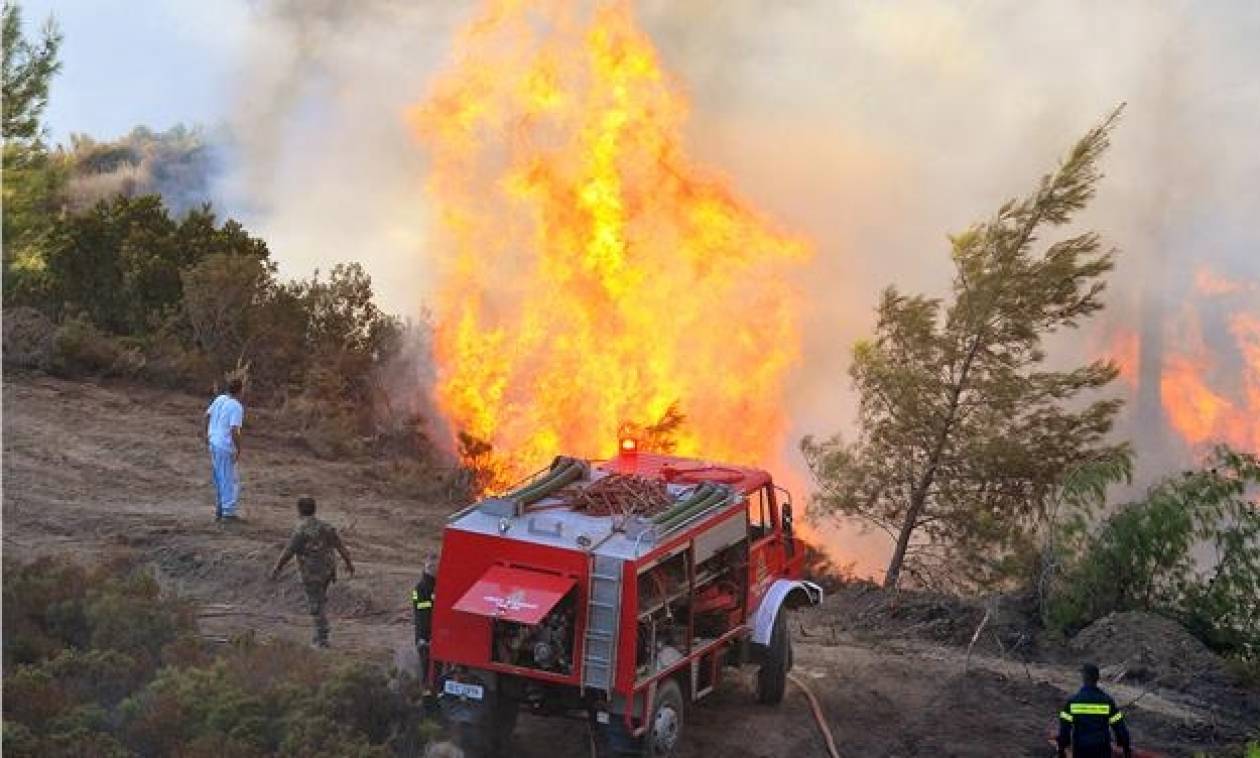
(460, 689)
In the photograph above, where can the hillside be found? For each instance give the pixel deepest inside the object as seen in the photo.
(91, 468)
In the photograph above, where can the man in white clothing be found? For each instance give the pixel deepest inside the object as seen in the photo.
(223, 437)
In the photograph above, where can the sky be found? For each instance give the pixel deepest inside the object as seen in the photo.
(151, 62)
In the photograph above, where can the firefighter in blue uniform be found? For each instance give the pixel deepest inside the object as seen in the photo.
(1088, 719)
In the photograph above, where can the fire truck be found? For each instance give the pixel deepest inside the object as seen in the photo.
(616, 592)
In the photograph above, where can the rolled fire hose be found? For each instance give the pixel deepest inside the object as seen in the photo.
(697, 508)
(689, 505)
(698, 494)
(568, 471)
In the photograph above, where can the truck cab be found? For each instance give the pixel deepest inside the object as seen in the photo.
(617, 590)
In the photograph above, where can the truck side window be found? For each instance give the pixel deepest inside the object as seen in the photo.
(758, 514)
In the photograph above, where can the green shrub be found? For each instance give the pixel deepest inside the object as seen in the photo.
(79, 348)
(171, 361)
(97, 676)
(128, 614)
(17, 740)
(32, 696)
(358, 696)
(319, 736)
(52, 604)
(1144, 558)
(99, 662)
(208, 703)
(28, 338)
(43, 610)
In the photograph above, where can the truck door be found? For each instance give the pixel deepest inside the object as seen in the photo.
(765, 543)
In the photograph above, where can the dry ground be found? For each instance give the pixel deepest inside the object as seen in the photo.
(89, 467)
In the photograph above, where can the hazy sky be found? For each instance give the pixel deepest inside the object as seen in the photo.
(152, 62)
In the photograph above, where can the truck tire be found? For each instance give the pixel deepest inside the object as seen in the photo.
(772, 676)
(664, 728)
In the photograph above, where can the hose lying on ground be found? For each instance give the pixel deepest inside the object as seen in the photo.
(818, 717)
(813, 705)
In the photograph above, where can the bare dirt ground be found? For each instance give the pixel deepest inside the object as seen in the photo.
(89, 468)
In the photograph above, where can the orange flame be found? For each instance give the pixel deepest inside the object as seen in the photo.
(1208, 282)
(592, 275)
(1124, 351)
(1200, 413)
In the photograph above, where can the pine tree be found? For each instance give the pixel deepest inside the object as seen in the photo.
(963, 431)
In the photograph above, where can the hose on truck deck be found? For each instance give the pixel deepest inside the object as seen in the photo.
(698, 494)
(698, 507)
(562, 475)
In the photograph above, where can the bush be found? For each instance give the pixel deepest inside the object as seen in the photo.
(1144, 558)
(120, 261)
(98, 662)
(208, 702)
(79, 349)
(170, 362)
(223, 295)
(97, 676)
(28, 338)
(52, 605)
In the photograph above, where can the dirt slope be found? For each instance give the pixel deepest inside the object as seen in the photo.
(89, 467)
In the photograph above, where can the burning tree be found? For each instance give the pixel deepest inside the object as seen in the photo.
(962, 429)
(589, 274)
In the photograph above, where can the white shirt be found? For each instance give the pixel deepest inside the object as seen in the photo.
(224, 413)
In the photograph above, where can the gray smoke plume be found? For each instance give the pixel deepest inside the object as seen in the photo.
(326, 168)
(875, 129)
(179, 164)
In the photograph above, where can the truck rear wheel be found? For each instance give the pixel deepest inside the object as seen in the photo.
(664, 728)
(772, 676)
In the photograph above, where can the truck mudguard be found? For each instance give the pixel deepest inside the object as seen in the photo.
(799, 591)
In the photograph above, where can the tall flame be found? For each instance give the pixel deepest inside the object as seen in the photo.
(592, 275)
(1209, 389)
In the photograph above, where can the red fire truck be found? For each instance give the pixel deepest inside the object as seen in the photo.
(616, 592)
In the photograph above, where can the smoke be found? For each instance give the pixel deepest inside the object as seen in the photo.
(179, 164)
(874, 129)
(326, 170)
(879, 128)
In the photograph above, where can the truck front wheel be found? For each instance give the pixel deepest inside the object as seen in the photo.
(664, 728)
(772, 676)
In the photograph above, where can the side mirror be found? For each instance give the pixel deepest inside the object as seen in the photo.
(787, 519)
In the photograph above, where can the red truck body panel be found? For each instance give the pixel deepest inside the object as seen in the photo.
(464, 638)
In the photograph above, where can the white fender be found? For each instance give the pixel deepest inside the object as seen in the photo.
(763, 619)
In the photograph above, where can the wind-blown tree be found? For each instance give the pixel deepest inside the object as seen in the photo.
(963, 432)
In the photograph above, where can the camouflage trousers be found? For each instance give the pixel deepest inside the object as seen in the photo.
(316, 602)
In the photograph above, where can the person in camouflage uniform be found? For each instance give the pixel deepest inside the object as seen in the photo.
(313, 542)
